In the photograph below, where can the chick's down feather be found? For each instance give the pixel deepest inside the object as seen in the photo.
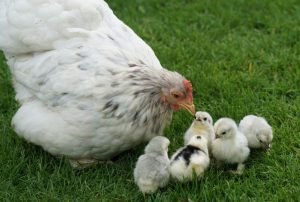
(257, 131)
(191, 160)
(152, 168)
(230, 145)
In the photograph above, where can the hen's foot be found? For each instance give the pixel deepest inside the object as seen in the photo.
(86, 163)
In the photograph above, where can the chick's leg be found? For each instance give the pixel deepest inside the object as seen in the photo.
(218, 163)
(239, 170)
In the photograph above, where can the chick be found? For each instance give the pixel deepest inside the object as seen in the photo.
(202, 125)
(190, 160)
(230, 145)
(152, 169)
(257, 131)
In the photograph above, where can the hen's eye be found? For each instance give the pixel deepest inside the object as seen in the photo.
(176, 96)
(205, 119)
(224, 133)
(198, 137)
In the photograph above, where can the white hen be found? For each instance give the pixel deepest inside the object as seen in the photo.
(88, 86)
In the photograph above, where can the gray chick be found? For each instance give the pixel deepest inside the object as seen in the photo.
(152, 169)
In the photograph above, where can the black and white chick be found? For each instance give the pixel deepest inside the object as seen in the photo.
(152, 168)
(202, 125)
(257, 130)
(190, 160)
(230, 145)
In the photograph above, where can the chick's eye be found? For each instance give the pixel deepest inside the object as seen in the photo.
(224, 133)
(205, 119)
(198, 137)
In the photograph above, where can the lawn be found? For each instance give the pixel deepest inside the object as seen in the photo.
(243, 57)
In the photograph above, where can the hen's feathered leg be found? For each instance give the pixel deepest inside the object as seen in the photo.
(86, 163)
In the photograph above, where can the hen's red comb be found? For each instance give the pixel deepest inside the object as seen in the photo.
(189, 88)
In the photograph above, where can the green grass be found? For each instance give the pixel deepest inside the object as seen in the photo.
(243, 57)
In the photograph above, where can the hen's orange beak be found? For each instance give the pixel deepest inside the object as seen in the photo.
(189, 106)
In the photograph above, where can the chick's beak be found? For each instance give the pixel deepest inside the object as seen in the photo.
(189, 106)
(265, 146)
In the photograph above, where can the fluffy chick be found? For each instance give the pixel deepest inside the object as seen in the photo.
(190, 160)
(257, 131)
(152, 168)
(230, 145)
(202, 125)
